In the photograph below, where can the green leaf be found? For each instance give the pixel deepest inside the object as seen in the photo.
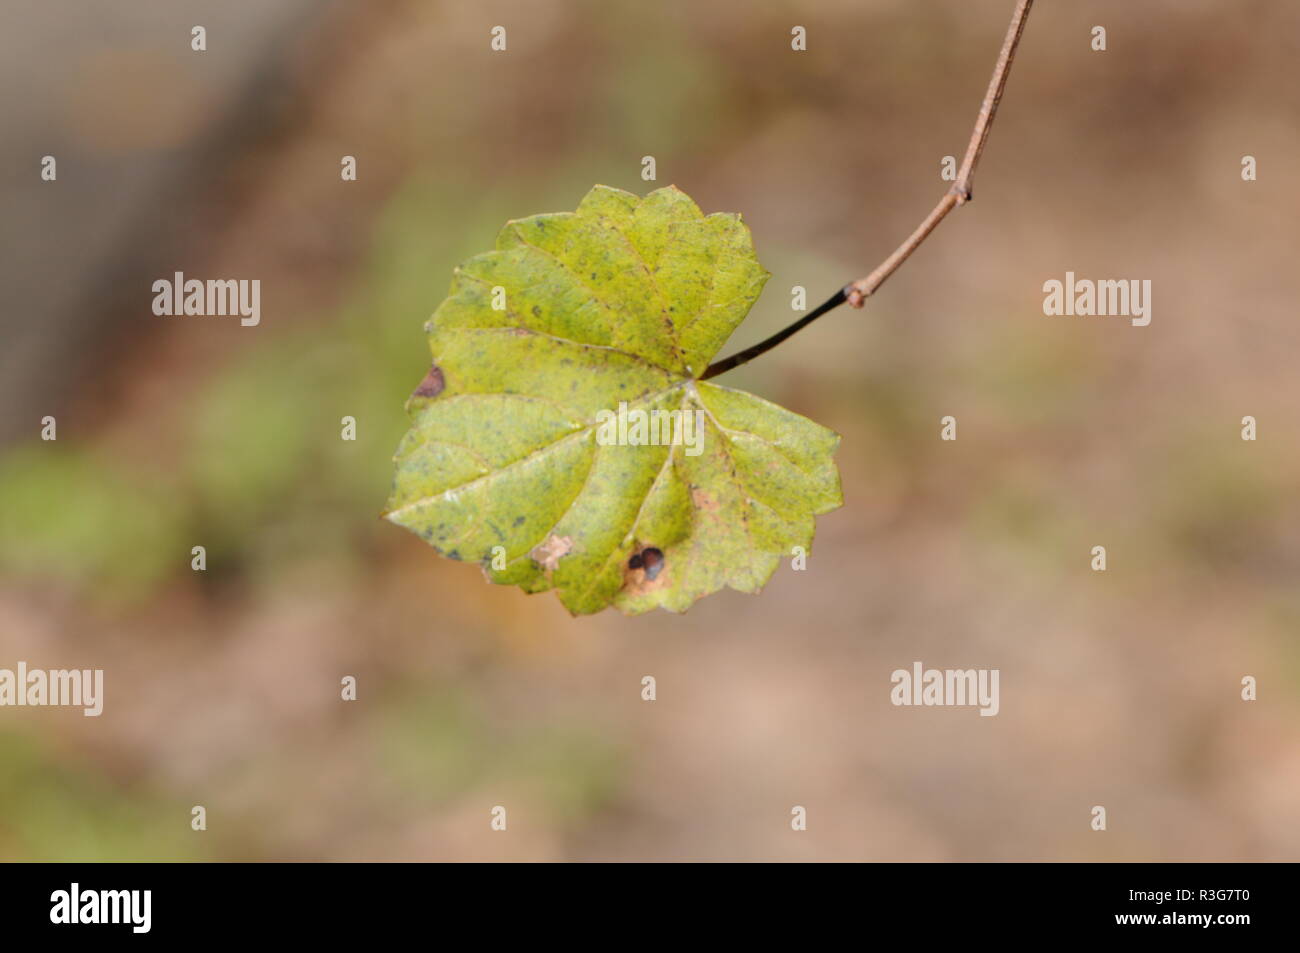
(509, 456)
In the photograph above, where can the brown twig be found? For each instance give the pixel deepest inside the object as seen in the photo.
(857, 292)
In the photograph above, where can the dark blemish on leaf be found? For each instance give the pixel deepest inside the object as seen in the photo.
(519, 521)
(432, 384)
(454, 554)
(537, 311)
(644, 567)
(653, 560)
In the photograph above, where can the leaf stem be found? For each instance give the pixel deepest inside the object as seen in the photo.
(857, 292)
(747, 355)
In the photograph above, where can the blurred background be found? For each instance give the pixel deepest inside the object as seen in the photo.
(222, 687)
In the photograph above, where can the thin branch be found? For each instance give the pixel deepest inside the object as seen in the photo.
(857, 292)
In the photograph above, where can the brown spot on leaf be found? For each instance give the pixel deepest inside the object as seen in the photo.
(548, 553)
(702, 500)
(432, 384)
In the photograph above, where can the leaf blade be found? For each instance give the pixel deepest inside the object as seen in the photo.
(614, 307)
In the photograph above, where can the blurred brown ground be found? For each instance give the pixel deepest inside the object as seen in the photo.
(1118, 688)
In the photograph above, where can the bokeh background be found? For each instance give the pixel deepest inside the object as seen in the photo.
(222, 688)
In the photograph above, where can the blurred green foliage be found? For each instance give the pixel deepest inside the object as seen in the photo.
(78, 515)
(55, 811)
(263, 473)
